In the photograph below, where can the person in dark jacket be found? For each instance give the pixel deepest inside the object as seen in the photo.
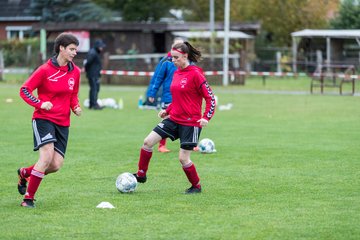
(93, 66)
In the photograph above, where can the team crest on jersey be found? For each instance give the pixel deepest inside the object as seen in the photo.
(71, 83)
(183, 82)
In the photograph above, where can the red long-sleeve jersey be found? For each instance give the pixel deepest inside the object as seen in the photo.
(188, 88)
(56, 84)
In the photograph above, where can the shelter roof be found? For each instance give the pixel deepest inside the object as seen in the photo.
(207, 34)
(354, 33)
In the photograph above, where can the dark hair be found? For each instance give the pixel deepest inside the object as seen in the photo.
(194, 54)
(64, 39)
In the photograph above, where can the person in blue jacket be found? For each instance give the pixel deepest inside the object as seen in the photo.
(93, 66)
(162, 78)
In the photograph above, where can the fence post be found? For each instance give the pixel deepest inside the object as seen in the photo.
(106, 66)
(319, 59)
(43, 45)
(1, 65)
(278, 62)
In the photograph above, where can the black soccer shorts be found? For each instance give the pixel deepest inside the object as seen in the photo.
(46, 131)
(188, 135)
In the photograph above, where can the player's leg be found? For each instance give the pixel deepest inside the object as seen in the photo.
(188, 140)
(62, 135)
(162, 146)
(166, 128)
(46, 153)
(23, 175)
(44, 138)
(55, 164)
(146, 154)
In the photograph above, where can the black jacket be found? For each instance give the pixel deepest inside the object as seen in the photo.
(93, 63)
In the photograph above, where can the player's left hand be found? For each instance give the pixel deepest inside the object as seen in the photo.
(203, 122)
(78, 111)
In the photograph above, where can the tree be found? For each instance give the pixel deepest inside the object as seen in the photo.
(281, 17)
(348, 16)
(134, 10)
(278, 18)
(68, 11)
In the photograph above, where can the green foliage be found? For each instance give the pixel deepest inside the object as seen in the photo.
(348, 17)
(145, 10)
(287, 167)
(278, 18)
(21, 53)
(68, 11)
(204, 45)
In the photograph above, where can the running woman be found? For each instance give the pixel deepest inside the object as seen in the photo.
(57, 83)
(183, 118)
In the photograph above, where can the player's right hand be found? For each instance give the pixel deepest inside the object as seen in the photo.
(46, 105)
(163, 114)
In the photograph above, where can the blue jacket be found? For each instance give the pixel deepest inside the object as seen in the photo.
(163, 75)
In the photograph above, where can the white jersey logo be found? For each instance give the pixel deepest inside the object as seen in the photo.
(56, 76)
(71, 83)
(183, 82)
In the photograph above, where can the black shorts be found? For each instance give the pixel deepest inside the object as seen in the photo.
(189, 135)
(46, 132)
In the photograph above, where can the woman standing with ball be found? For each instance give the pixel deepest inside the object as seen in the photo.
(183, 118)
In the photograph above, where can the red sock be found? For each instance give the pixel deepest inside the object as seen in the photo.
(26, 172)
(162, 142)
(192, 175)
(35, 180)
(144, 160)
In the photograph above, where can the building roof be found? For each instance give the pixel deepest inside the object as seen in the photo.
(134, 26)
(355, 33)
(207, 34)
(16, 10)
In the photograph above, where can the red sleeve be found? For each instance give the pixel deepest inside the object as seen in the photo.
(168, 109)
(74, 101)
(29, 86)
(207, 93)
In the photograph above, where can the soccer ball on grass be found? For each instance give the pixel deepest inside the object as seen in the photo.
(126, 183)
(206, 146)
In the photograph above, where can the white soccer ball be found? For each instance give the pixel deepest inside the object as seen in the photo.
(206, 146)
(126, 183)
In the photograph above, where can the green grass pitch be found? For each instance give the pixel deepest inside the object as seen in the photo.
(287, 166)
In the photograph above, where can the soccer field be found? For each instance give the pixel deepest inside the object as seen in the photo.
(286, 167)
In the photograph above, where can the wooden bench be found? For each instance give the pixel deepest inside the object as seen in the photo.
(333, 76)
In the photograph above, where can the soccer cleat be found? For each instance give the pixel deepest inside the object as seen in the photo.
(28, 203)
(22, 184)
(163, 149)
(193, 190)
(140, 179)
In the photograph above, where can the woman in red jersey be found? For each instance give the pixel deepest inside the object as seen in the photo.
(57, 84)
(183, 118)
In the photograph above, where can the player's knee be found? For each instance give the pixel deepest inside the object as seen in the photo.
(184, 161)
(147, 144)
